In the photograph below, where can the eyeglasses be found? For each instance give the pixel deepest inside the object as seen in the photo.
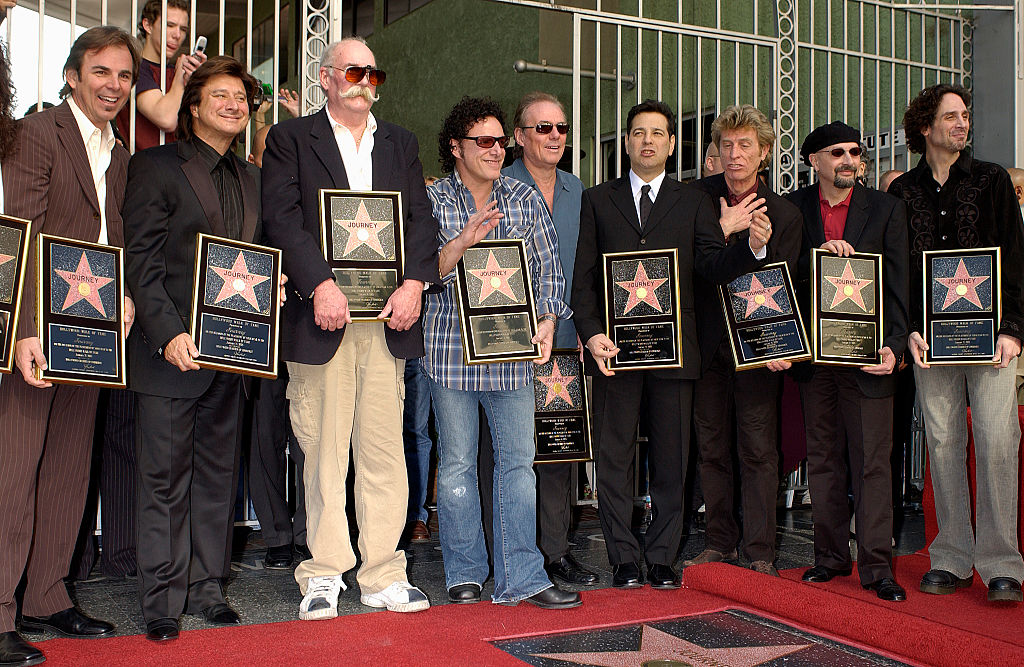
(487, 142)
(355, 73)
(545, 127)
(838, 152)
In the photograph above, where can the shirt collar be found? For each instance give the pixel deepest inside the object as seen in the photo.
(635, 183)
(499, 183)
(962, 164)
(371, 122)
(209, 155)
(519, 171)
(743, 195)
(824, 202)
(86, 127)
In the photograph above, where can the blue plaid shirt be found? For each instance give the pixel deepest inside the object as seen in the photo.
(527, 218)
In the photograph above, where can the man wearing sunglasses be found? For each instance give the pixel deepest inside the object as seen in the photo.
(346, 379)
(847, 410)
(473, 202)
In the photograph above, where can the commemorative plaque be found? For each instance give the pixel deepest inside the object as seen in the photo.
(14, 241)
(846, 295)
(642, 309)
(962, 305)
(363, 243)
(561, 416)
(235, 306)
(80, 312)
(763, 318)
(494, 294)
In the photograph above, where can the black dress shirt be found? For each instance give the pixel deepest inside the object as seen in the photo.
(224, 173)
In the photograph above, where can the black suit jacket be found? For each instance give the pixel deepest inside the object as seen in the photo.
(170, 199)
(609, 223)
(302, 158)
(877, 223)
(720, 262)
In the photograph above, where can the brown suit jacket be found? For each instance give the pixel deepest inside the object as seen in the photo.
(48, 181)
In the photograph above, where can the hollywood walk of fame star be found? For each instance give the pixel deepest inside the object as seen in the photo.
(759, 296)
(5, 258)
(82, 284)
(238, 280)
(557, 384)
(962, 285)
(641, 289)
(658, 645)
(364, 231)
(848, 286)
(494, 278)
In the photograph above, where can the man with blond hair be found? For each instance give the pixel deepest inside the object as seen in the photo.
(754, 227)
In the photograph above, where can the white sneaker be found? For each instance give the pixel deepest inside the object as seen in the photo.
(321, 600)
(399, 596)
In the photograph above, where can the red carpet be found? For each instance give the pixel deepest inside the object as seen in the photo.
(961, 629)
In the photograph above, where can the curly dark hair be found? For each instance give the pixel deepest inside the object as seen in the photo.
(655, 106)
(920, 112)
(8, 128)
(464, 115)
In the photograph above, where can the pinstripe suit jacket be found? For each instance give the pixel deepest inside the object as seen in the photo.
(48, 181)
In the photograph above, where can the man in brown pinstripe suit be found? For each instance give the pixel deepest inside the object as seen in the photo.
(68, 176)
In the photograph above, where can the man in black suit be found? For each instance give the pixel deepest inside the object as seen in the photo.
(847, 410)
(644, 210)
(346, 380)
(187, 445)
(738, 411)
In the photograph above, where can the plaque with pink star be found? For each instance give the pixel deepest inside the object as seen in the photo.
(762, 318)
(15, 235)
(235, 310)
(494, 296)
(81, 301)
(962, 305)
(642, 309)
(362, 241)
(561, 417)
(847, 308)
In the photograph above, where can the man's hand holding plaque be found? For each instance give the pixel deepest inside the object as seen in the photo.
(962, 309)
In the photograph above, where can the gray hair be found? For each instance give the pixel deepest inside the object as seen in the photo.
(327, 57)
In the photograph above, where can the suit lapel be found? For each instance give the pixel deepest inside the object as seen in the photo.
(70, 137)
(856, 216)
(668, 197)
(622, 197)
(198, 176)
(326, 149)
(382, 157)
(249, 198)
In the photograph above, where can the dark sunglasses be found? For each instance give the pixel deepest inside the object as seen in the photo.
(545, 127)
(487, 142)
(838, 152)
(355, 73)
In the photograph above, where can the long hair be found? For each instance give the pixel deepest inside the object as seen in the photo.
(8, 128)
(97, 39)
(193, 94)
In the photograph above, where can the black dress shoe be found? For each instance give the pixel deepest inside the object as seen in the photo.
(279, 558)
(555, 598)
(70, 623)
(662, 577)
(1004, 589)
(887, 589)
(162, 630)
(221, 614)
(15, 651)
(303, 552)
(569, 570)
(464, 593)
(941, 582)
(627, 575)
(820, 574)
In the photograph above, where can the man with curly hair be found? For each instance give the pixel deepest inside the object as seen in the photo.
(955, 201)
(474, 200)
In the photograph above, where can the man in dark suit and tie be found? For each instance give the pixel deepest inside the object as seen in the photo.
(644, 210)
(67, 175)
(188, 444)
(848, 410)
(346, 379)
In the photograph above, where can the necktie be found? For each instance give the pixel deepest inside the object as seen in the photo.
(646, 204)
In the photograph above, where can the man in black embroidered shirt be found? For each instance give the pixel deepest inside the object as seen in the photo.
(955, 201)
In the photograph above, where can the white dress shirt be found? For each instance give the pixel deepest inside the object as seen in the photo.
(636, 183)
(358, 163)
(98, 146)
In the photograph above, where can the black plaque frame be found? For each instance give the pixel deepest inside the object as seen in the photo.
(643, 327)
(981, 324)
(208, 319)
(562, 429)
(15, 238)
(828, 321)
(61, 330)
(362, 276)
(470, 317)
(786, 326)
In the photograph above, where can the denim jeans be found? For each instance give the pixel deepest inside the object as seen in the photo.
(416, 431)
(518, 564)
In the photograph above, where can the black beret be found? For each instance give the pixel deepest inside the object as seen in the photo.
(836, 132)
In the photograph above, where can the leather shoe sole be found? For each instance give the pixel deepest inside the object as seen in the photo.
(1004, 589)
(662, 577)
(819, 574)
(464, 594)
(941, 582)
(162, 630)
(627, 575)
(887, 589)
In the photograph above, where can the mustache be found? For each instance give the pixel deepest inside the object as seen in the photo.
(360, 91)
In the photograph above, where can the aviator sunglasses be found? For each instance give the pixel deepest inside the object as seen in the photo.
(355, 73)
(545, 127)
(487, 142)
(838, 152)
